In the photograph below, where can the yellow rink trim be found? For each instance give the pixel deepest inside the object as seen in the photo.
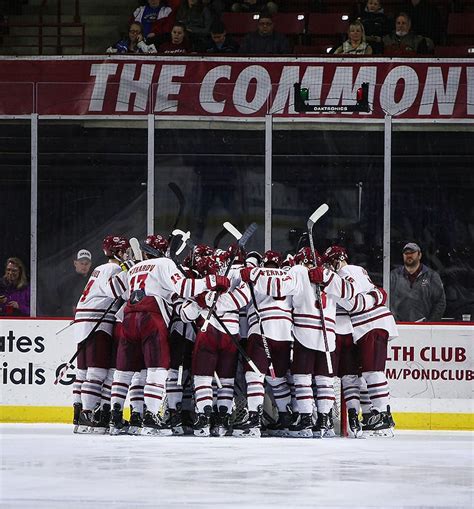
(426, 421)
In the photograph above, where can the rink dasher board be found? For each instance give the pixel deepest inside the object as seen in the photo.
(430, 372)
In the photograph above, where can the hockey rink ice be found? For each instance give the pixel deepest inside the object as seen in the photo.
(46, 466)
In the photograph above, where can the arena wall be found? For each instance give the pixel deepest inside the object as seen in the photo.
(430, 372)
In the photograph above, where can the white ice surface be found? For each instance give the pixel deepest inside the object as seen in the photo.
(46, 466)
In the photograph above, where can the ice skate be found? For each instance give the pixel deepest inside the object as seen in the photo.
(176, 422)
(153, 427)
(379, 424)
(220, 426)
(100, 420)
(301, 427)
(77, 412)
(136, 423)
(324, 427)
(117, 425)
(355, 426)
(85, 422)
(281, 427)
(250, 428)
(201, 426)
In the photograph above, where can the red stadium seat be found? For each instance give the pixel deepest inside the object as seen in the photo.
(290, 23)
(460, 28)
(327, 28)
(318, 49)
(239, 23)
(454, 51)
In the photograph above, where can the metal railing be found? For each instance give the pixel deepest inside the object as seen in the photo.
(59, 40)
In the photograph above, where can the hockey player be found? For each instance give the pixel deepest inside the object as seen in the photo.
(95, 361)
(214, 351)
(272, 319)
(373, 326)
(152, 286)
(309, 352)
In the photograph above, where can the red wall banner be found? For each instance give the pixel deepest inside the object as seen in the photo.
(234, 87)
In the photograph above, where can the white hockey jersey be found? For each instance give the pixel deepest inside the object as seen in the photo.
(364, 319)
(227, 309)
(159, 278)
(275, 314)
(94, 301)
(307, 319)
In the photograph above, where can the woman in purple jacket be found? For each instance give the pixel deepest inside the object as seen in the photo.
(14, 290)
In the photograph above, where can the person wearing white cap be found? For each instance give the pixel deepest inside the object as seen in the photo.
(416, 291)
(70, 288)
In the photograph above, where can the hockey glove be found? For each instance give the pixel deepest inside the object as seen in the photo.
(380, 296)
(316, 275)
(218, 283)
(245, 274)
(126, 265)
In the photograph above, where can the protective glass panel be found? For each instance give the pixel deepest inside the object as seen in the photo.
(433, 207)
(337, 164)
(92, 183)
(206, 174)
(15, 186)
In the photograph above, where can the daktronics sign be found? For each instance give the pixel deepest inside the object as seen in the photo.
(234, 87)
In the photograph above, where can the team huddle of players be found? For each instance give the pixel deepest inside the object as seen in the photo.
(147, 326)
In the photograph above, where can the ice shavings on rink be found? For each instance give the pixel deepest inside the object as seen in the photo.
(46, 466)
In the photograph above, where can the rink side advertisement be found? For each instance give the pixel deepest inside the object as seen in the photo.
(430, 373)
(234, 87)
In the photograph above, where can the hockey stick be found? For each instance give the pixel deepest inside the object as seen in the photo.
(137, 252)
(219, 237)
(233, 231)
(185, 237)
(82, 344)
(315, 216)
(179, 195)
(241, 243)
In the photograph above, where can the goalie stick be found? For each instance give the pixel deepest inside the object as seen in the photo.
(233, 231)
(180, 196)
(241, 243)
(315, 216)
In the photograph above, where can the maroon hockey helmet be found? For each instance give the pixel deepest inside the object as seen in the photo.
(206, 265)
(305, 257)
(335, 254)
(155, 245)
(272, 259)
(203, 250)
(112, 244)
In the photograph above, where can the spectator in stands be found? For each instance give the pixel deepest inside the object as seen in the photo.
(220, 42)
(134, 43)
(356, 43)
(71, 286)
(14, 289)
(265, 41)
(416, 291)
(425, 19)
(254, 6)
(198, 20)
(403, 42)
(156, 18)
(179, 43)
(376, 25)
